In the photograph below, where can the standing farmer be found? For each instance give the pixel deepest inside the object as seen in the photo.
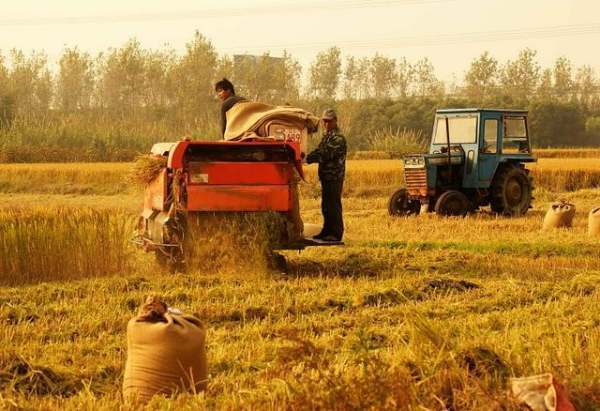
(331, 156)
(226, 93)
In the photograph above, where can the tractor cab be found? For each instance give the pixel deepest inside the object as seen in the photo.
(476, 158)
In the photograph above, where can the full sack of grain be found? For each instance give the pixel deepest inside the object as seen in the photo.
(165, 353)
(559, 215)
(594, 222)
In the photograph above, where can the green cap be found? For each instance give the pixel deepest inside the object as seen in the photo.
(329, 114)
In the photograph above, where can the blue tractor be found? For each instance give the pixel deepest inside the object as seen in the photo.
(476, 158)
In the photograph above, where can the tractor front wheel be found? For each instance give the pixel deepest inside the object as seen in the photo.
(511, 191)
(452, 203)
(401, 205)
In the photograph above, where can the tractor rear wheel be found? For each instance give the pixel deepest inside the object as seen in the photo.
(452, 203)
(401, 205)
(511, 192)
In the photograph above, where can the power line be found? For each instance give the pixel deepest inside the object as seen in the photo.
(445, 38)
(215, 13)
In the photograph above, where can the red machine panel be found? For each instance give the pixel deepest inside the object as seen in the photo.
(238, 198)
(242, 173)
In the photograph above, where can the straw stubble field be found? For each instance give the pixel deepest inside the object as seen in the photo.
(419, 313)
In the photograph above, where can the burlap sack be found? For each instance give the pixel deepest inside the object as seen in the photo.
(165, 353)
(253, 119)
(541, 393)
(559, 215)
(594, 222)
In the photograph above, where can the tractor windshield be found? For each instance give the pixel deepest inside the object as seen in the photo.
(463, 130)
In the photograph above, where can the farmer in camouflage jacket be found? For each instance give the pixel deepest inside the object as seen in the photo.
(331, 156)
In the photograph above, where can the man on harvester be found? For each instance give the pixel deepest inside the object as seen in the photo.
(331, 156)
(226, 93)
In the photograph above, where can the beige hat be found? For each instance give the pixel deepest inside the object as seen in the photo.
(329, 114)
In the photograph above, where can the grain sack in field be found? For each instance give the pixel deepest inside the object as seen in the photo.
(594, 222)
(541, 393)
(559, 215)
(165, 353)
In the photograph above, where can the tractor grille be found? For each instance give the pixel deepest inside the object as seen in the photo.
(416, 181)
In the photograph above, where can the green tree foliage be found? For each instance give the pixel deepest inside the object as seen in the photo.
(159, 90)
(351, 78)
(266, 78)
(426, 83)
(363, 80)
(372, 115)
(519, 79)
(481, 79)
(545, 89)
(75, 81)
(122, 79)
(325, 73)
(110, 106)
(556, 124)
(193, 78)
(383, 75)
(6, 96)
(405, 76)
(586, 88)
(29, 83)
(592, 128)
(563, 79)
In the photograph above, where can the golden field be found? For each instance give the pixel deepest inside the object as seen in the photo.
(421, 313)
(364, 177)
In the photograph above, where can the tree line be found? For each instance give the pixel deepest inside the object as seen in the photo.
(120, 101)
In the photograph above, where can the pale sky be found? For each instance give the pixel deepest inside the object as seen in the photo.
(450, 32)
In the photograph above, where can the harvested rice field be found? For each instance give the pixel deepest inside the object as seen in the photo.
(419, 313)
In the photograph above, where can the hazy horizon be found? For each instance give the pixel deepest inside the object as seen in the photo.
(450, 33)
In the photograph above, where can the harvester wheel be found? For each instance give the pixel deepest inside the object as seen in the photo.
(452, 203)
(401, 205)
(511, 191)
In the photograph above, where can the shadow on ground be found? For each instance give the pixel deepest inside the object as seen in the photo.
(351, 265)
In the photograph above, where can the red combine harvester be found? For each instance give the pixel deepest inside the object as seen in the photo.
(256, 175)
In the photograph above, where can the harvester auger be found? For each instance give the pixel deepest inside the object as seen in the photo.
(476, 158)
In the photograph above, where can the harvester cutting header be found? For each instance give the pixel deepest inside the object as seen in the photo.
(255, 170)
